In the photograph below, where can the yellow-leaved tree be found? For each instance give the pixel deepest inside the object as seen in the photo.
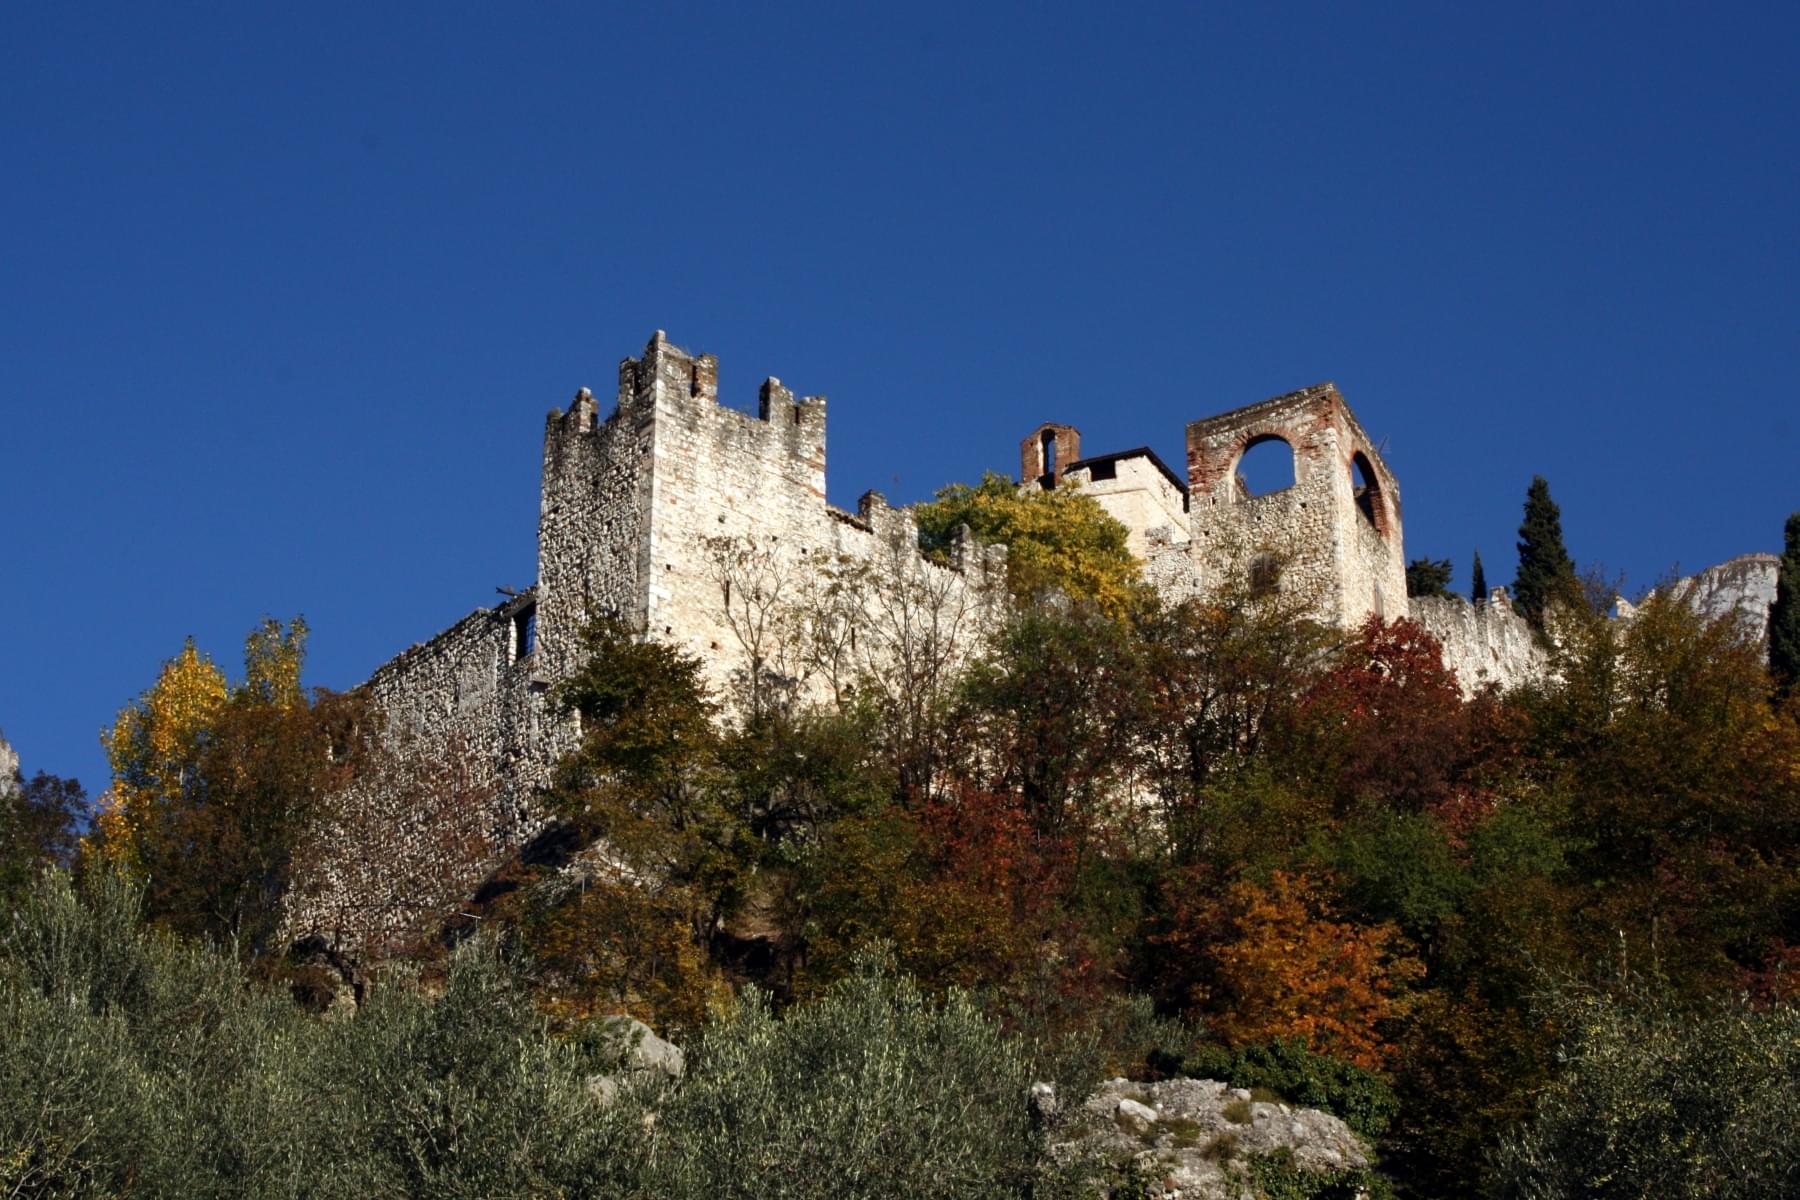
(1060, 540)
(154, 751)
(213, 785)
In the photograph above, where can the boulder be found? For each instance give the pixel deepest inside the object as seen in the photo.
(640, 1057)
(1195, 1139)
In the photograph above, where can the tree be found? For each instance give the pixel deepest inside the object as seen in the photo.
(1546, 573)
(1059, 705)
(1222, 671)
(876, 1090)
(1662, 1097)
(1428, 577)
(1784, 614)
(1057, 540)
(214, 786)
(1288, 970)
(39, 820)
(1478, 588)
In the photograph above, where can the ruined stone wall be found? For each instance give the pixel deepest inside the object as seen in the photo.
(467, 738)
(1342, 544)
(699, 525)
(748, 567)
(1486, 644)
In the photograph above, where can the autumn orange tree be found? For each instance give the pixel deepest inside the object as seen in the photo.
(1289, 969)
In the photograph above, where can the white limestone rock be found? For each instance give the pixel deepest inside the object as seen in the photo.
(9, 767)
(1194, 1139)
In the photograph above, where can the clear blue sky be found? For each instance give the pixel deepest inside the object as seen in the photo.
(284, 298)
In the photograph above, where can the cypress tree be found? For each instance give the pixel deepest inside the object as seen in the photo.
(1478, 588)
(1546, 572)
(1784, 614)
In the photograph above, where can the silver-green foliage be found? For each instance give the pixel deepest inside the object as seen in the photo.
(137, 1064)
(874, 1090)
(1658, 1099)
(134, 1064)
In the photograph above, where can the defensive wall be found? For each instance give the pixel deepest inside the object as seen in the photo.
(691, 522)
(708, 528)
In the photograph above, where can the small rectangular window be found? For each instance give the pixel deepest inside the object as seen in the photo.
(1104, 470)
(524, 632)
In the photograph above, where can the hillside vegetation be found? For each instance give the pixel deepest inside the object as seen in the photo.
(1532, 944)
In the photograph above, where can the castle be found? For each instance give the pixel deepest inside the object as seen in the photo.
(709, 528)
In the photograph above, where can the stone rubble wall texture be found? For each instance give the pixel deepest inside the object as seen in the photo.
(703, 526)
(1484, 644)
(1343, 548)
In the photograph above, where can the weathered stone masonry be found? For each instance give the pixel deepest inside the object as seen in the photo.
(1336, 533)
(708, 528)
(691, 522)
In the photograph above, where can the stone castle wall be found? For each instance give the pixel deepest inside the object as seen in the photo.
(709, 528)
(693, 523)
(1484, 644)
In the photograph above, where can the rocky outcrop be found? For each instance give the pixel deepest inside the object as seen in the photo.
(1194, 1139)
(1744, 585)
(1484, 644)
(9, 767)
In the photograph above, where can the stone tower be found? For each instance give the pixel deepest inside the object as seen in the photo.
(1334, 535)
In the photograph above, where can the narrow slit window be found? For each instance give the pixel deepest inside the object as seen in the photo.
(524, 632)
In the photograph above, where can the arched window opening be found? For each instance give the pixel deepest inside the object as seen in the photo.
(1367, 489)
(1048, 440)
(1265, 574)
(1266, 465)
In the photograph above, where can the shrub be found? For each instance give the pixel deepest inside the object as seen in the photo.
(136, 1063)
(1661, 1098)
(873, 1090)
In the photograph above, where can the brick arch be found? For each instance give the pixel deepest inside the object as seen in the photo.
(1263, 437)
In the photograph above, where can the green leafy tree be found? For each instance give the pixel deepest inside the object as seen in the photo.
(1060, 703)
(1428, 577)
(1784, 614)
(1058, 540)
(1546, 573)
(1478, 586)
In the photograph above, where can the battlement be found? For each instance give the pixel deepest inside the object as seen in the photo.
(668, 379)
